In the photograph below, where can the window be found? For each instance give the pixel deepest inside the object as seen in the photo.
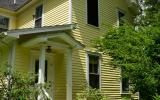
(37, 68)
(121, 16)
(92, 12)
(38, 16)
(125, 82)
(93, 66)
(4, 23)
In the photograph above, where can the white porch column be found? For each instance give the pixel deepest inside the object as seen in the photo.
(69, 75)
(41, 65)
(41, 71)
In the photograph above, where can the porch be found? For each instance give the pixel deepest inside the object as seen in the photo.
(48, 52)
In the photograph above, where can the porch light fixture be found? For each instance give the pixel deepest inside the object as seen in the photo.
(49, 50)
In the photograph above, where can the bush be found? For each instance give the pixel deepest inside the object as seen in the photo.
(156, 97)
(91, 94)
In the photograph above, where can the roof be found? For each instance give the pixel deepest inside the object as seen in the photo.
(50, 31)
(9, 4)
(44, 29)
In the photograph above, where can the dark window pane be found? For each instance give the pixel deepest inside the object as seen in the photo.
(94, 81)
(38, 16)
(90, 68)
(93, 71)
(4, 23)
(120, 18)
(96, 68)
(38, 22)
(92, 12)
(37, 70)
(39, 10)
(125, 84)
(46, 70)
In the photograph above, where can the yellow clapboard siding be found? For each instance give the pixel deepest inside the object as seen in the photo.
(22, 59)
(110, 76)
(55, 12)
(4, 54)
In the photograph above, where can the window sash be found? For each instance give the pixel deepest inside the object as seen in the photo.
(38, 22)
(93, 66)
(120, 18)
(38, 16)
(93, 12)
(4, 23)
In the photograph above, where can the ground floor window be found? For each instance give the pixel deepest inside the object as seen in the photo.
(94, 71)
(124, 82)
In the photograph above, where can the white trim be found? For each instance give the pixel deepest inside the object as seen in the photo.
(44, 38)
(17, 33)
(69, 75)
(99, 67)
(41, 65)
(70, 12)
(117, 14)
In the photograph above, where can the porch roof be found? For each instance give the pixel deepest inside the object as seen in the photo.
(45, 33)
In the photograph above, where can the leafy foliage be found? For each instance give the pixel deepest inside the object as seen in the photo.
(156, 97)
(137, 50)
(22, 88)
(91, 94)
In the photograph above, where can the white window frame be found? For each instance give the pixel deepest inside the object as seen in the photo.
(9, 20)
(99, 67)
(86, 6)
(117, 14)
(121, 84)
(42, 23)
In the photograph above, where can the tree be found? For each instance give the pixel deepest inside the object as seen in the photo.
(137, 50)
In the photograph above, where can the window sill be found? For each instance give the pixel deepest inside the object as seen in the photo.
(96, 27)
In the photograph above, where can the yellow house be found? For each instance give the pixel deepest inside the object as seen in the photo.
(53, 38)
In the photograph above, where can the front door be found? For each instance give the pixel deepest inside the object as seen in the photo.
(49, 71)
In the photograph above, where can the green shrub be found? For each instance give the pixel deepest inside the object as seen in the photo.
(91, 94)
(156, 97)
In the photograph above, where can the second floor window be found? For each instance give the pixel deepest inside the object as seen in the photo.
(94, 76)
(121, 16)
(4, 23)
(38, 16)
(92, 12)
